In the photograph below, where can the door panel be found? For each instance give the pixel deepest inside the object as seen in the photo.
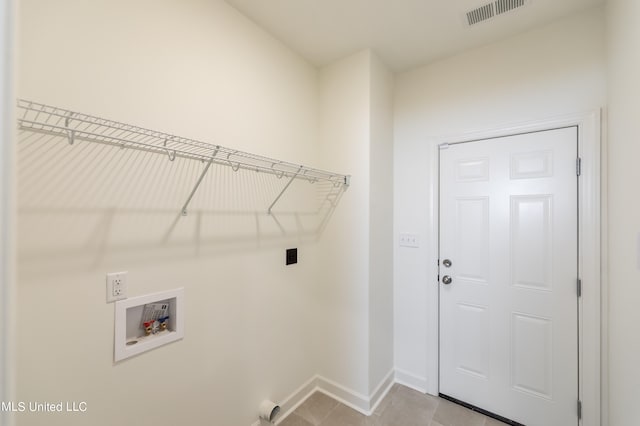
(472, 351)
(508, 319)
(531, 241)
(472, 237)
(531, 360)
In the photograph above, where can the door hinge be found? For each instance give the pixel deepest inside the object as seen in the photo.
(579, 410)
(578, 166)
(579, 287)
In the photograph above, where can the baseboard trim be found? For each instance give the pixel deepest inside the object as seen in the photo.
(381, 391)
(348, 397)
(359, 402)
(411, 380)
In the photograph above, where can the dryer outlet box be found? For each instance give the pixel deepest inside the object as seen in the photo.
(292, 256)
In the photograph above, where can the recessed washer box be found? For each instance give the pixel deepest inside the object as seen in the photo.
(130, 336)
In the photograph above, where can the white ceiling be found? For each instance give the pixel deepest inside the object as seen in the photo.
(405, 33)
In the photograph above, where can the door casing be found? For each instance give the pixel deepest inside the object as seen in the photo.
(592, 374)
(7, 205)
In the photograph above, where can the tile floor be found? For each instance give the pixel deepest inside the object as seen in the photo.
(401, 407)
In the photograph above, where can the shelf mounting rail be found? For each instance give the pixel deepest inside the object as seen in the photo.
(75, 126)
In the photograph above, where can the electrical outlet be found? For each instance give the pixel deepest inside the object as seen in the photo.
(116, 286)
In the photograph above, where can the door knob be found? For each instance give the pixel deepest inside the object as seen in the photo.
(446, 279)
(446, 263)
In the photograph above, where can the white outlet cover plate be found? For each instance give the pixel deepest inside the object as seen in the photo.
(409, 240)
(116, 286)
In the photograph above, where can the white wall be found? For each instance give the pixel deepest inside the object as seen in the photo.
(254, 328)
(198, 69)
(623, 33)
(343, 297)
(355, 308)
(381, 224)
(553, 70)
(7, 206)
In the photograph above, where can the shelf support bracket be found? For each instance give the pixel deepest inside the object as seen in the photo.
(172, 155)
(195, 188)
(283, 190)
(71, 134)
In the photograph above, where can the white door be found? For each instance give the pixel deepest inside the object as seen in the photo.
(509, 316)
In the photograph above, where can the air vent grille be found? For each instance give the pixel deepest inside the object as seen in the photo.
(493, 9)
(480, 14)
(503, 6)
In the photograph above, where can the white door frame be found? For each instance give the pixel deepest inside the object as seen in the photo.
(7, 206)
(589, 233)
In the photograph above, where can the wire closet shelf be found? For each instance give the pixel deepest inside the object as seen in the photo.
(75, 126)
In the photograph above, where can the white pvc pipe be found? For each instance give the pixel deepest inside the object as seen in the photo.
(269, 410)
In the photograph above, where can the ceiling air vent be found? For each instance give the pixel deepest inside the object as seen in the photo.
(491, 10)
(480, 14)
(503, 6)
